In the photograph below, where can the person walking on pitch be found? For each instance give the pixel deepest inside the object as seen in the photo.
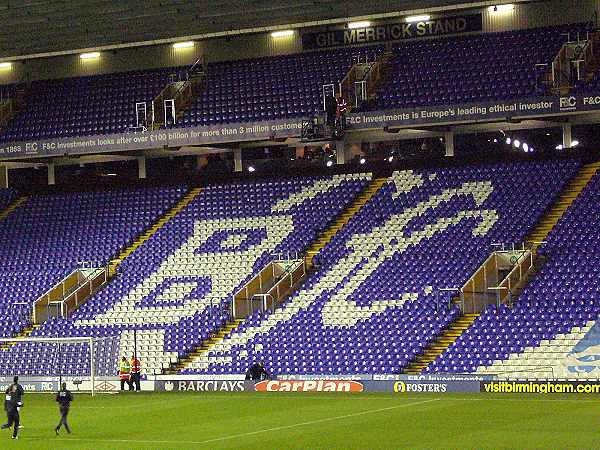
(13, 400)
(64, 399)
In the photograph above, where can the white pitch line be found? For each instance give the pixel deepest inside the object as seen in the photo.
(253, 397)
(239, 435)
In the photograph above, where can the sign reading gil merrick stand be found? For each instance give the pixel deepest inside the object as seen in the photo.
(393, 32)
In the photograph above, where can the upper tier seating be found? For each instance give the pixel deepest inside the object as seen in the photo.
(46, 238)
(82, 106)
(374, 303)
(272, 88)
(175, 289)
(248, 90)
(440, 71)
(537, 336)
(491, 66)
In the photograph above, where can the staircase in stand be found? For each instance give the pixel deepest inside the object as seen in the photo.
(576, 61)
(11, 106)
(14, 205)
(344, 217)
(24, 333)
(204, 347)
(441, 343)
(183, 91)
(179, 206)
(566, 198)
(362, 81)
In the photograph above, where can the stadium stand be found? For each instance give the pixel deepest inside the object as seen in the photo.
(494, 66)
(557, 310)
(421, 231)
(176, 287)
(382, 252)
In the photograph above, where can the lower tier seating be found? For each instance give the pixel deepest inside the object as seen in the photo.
(374, 302)
(175, 289)
(47, 237)
(551, 330)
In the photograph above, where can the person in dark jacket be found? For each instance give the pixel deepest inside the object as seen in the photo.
(330, 109)
(64, 399)
(257, 372)
(13, 401)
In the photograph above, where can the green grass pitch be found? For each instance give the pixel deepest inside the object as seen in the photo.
(311, 421)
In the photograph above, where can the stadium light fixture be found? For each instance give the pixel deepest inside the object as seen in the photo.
(499, 9)
(517, 143)
(5, 65)
(421, 18)
(185, 44)
(90, 55)
(282, 33)
(359, 24)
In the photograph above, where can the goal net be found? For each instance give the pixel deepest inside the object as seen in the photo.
(42, 363)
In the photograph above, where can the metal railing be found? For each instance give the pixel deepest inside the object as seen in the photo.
(484, 287)
(504, 290)
(287, 280)
(67, 295)
(274, 280)
(286, 256)
(94, 281)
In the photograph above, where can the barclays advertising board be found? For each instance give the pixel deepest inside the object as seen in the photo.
(202, 386)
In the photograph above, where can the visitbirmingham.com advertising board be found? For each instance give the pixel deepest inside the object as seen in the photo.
(281, 129)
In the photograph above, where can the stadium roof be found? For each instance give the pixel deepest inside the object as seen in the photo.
(35, 27)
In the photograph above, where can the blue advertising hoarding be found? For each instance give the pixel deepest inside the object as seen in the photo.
(267, 130)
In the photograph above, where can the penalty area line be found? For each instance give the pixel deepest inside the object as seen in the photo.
(240, 435)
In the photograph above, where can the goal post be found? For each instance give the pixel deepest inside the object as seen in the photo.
(47, 361)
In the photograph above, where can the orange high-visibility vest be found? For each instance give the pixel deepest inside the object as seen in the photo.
(135, 366)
